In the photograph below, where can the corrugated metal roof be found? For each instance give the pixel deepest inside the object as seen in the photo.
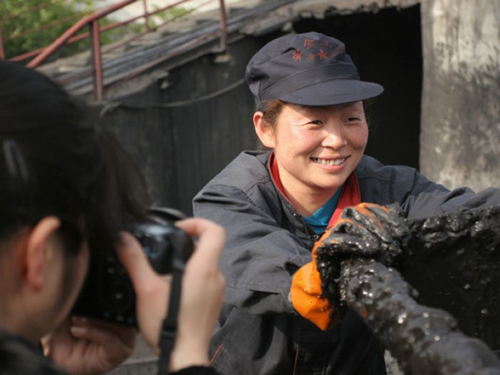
(177, 43)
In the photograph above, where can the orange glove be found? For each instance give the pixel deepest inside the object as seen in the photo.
(366, 230)
(306, 293)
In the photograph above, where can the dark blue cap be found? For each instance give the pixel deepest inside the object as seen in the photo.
(308, 69)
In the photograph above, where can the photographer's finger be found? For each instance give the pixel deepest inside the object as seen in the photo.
(127, 334)
(115, 348)
(211, 236)
(95, 334)
(134, 260)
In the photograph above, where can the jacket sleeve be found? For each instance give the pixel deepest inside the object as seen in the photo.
(418, 196)
(260, 257)
(427, 198)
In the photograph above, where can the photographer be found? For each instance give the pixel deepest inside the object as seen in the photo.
(66, 193)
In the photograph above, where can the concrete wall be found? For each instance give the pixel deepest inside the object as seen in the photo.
(460, 138)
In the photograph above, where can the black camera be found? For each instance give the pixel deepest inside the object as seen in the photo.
(108, 293)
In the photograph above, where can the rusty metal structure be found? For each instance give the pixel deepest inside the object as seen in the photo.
(92, 22)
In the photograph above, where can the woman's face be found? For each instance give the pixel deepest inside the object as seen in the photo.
(317, 148)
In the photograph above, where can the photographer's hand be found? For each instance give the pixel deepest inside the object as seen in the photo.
(202, 293)
(84, 346)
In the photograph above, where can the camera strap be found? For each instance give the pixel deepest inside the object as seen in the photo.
(169, 325)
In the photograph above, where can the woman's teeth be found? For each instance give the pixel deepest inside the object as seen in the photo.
(329, 161)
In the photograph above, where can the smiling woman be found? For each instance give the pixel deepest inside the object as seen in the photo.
(276, 204)
(316, 149)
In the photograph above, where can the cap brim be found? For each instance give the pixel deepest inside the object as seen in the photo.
(334, 92)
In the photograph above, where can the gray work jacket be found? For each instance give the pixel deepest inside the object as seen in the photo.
(259, 332)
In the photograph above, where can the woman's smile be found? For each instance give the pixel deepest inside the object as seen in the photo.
(329, 161)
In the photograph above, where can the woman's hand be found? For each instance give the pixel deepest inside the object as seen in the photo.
(202, 292)
(84, 346)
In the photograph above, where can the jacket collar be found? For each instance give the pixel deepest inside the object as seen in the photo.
(350, 195)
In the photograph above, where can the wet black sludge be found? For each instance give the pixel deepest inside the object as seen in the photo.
(448, 320)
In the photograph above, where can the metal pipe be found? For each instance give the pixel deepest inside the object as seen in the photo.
(146, 15)
(223, 26)
(2, 51)
(111, 26)
(59, 42)
(27, 55)
(95, 45)
(68, 36)
(81, 36)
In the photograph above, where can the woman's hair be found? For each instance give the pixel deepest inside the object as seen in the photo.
(271, 110)
(56, 159)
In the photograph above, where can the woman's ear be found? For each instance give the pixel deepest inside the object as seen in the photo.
(40, 250)
(264, 131)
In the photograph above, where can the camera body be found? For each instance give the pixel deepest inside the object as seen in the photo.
(108, 293)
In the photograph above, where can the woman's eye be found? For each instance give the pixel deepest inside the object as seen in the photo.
(315, 122)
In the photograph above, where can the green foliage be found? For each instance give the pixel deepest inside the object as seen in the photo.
(21, 16)
(54, 17)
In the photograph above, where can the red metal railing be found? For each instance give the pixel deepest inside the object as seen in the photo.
(2, 52)
(92, 21)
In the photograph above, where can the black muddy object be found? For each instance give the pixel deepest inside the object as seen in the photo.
(423, 339)
(451, 260)
(454, 263)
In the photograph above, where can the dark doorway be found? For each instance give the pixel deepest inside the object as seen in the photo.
(386, 47)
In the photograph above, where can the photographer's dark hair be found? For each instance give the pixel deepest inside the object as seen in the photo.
(56, 159)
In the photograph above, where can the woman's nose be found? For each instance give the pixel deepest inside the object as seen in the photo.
(334, 139)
